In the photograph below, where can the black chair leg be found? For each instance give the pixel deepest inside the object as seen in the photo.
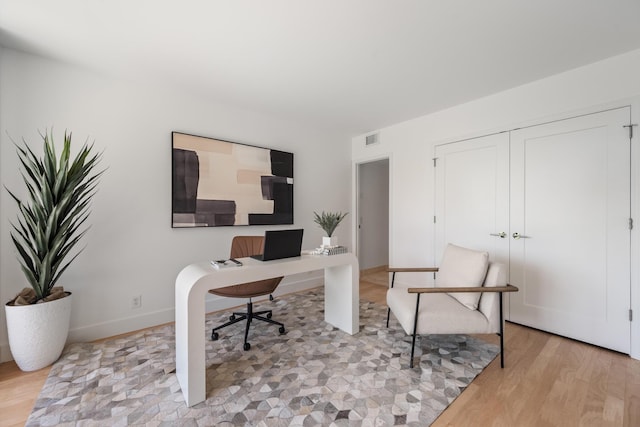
(248, 316)
(415, 330)
(239, 317)
(393, 279)
(266, 319)
(501, 334)
(247, 346)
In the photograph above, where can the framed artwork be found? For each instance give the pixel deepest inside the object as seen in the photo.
(220, 183)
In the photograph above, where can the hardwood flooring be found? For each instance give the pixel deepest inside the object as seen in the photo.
(18, 392)
(547, 381)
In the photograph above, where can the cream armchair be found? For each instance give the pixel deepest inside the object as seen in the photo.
(466, 299)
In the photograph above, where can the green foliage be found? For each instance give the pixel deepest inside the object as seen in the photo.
(329, 221)
(49, 220)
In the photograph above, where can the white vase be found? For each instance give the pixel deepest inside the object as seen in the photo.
(329, 241)
(38, 332)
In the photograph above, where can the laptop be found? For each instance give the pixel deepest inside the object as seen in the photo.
(280, 244)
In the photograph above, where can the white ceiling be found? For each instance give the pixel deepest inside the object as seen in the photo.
(350, 65)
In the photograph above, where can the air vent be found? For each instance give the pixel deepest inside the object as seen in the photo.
(371, 139)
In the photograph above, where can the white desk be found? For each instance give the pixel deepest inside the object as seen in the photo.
(341, 299)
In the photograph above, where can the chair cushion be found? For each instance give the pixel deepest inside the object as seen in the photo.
(439, 314)
(462, 267)
(489, 303)
(248, 290)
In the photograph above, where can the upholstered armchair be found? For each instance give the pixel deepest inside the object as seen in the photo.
(466, 298)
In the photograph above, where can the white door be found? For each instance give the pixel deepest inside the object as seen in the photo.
(472, 195)
(570, 237)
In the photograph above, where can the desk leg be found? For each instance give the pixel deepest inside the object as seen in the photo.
(190, 346)
(342, 297)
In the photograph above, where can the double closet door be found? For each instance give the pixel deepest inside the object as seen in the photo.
(553, 203)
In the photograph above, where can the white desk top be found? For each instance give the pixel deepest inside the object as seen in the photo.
(252, 269)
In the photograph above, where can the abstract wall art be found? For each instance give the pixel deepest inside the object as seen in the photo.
(221, 183)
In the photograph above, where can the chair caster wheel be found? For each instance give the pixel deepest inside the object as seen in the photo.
(281, 329)
(214, 336)
(247, 346)
(269, 315)
(232, 317)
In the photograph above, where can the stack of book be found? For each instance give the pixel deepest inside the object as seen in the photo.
(225, 263)
(333, 250)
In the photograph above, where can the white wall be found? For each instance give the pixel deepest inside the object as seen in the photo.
(410, 146)
(131, 248)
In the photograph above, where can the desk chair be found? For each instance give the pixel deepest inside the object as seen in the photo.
(467, 298)
(244, 246)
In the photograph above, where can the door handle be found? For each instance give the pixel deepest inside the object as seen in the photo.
(518, 236)
(501, 235)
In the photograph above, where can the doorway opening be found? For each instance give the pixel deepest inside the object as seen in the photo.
(372, 220)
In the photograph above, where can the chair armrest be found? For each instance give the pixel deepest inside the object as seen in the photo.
(507, 288)
(412, 270)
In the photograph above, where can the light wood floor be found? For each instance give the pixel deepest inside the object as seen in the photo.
(547, 381)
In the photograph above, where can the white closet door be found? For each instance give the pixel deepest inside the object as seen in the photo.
(570, 207)
(472, 190)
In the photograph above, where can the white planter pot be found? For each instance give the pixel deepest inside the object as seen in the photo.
(38, 332)
(329, 241)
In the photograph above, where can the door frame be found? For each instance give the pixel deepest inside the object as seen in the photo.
(635, 232)
(355, 204)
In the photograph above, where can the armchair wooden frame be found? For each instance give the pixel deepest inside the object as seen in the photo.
(439, 290)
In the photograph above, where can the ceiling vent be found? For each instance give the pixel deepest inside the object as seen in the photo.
(372, 139)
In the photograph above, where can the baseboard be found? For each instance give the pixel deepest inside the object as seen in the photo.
(146, 320)
(120, 326)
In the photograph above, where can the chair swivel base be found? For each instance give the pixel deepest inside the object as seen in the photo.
(236, 317)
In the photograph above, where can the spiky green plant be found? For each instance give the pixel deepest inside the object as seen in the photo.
(49, 220)
(329, 221)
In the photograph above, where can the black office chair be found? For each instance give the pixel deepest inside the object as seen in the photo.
(244, 246)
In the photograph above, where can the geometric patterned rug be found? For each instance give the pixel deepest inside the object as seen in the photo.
(314, 375)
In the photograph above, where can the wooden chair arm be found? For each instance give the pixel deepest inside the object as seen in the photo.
(412, 269)
(507, 288)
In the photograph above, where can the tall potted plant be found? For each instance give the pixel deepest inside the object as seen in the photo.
(329, 221)
(50, 224)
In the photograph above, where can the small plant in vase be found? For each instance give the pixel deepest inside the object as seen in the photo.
(329, 221)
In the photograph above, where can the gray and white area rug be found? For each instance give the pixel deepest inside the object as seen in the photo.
(314, 375)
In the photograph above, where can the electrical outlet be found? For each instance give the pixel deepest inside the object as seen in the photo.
(136, 302)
